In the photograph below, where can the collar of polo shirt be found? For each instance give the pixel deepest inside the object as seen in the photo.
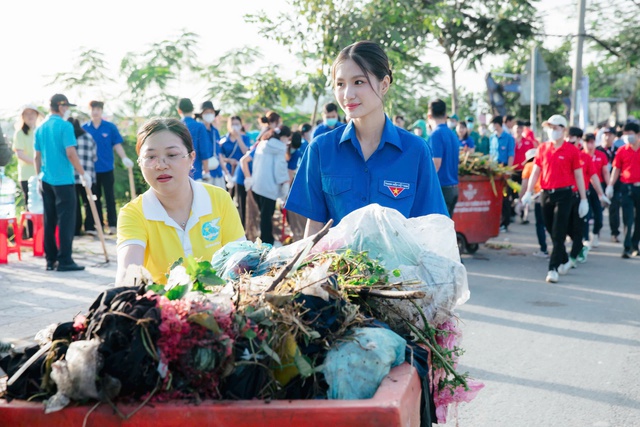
(154, 211)
(389, 134)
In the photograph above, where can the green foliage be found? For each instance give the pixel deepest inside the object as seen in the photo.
(89, 70)
(358, 269)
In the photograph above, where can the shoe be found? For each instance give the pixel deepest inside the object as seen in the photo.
(503, 229)
(5, 347)
(552, 276)
(541, 254)
(91, 232)
(595, 241)
(626, 254)
(635, 252)
(564, 268)
(525, 222)
(70, 267)
(582, 256)
(615, 239)
(111, 231)
(51, 265)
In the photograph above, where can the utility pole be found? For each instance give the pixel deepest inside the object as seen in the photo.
(577, 69)
(533, 74)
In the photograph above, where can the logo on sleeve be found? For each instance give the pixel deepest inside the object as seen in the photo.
(396, 187)
(211, 230)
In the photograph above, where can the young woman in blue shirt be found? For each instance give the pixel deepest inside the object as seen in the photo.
(368, 161)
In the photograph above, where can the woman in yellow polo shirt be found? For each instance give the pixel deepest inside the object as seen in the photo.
(177, 216)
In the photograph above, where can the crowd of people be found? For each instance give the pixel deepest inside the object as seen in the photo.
(202, 183)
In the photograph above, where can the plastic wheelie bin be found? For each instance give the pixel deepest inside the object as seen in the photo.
(477, 213)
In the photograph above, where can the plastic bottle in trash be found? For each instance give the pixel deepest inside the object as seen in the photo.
(7, 196)
(35, 199)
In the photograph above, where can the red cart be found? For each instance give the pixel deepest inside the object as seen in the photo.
(477, 213)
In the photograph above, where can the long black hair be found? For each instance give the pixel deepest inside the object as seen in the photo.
(77, 129)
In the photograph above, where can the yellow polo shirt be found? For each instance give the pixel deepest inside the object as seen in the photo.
(214, 222)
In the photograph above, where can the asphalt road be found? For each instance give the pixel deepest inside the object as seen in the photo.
(564, 354)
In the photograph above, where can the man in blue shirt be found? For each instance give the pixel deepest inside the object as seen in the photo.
(55, 160)
(446, 153)
(334, 179)
(330, 120)
(108, 140)
(208, 115)
(502, 149)
(201, 141)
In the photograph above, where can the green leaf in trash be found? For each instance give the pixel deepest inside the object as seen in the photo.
(272, 354)
(178, 262)
(250, 334)
(176, 292)
(206, 320)
(158, 289)
(304, 365)
(396, 273)
(212, 280)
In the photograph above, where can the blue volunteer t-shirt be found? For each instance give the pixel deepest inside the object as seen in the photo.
(106, 136)
(334, 179)
(446, 146)
(467, 142)
(52, 139)
(214, 136)
(231, 149)
(201, 145)
(502, 147)
(296, 156)
(322, 129)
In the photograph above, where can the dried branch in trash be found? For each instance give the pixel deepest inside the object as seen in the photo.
(391, 294)
(287, 268)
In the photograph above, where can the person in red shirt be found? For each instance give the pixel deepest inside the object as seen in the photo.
(558, 166)
(523, 144)
(601, 166)
(626, 166)
(578, 223)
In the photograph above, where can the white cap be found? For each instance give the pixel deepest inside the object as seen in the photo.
(557, 120)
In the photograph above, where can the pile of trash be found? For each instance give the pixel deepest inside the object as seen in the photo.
(326, 317)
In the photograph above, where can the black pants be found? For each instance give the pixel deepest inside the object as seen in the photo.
(614, 209)
(595, 212)
(631, 216)
(576, 227)
(540, 232)
(89, 224)
(241, 194)
(104, 184)
(59, 203)
(450, 193)
(556, 209)
(25, 192)
(267, 208)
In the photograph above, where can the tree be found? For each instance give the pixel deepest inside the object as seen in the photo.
(467, 30)
(90, 70)
(316, 31)
(149, 74)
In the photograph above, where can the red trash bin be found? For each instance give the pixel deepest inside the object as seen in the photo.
(477, 213)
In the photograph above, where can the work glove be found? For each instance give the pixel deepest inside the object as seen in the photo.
(284, 190)
(248, 183)
(583, 208)
(128, 163)
(527, 198)
(86, 180)
(604, 200)
(609, 192)
(206, 176)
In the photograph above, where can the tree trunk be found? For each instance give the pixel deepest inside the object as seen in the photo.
(315, 111)
(454, 88)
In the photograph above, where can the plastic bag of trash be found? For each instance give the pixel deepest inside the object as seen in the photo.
(355, 368)
(75, 376)
(237, 258)
(423, 249)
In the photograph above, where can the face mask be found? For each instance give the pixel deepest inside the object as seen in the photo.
(492, 128)
(66, 114)
(451, 124)
(470, 126)
(417, 131)
(429, 131)
(237, 128)
(629, 139)
(555, 134)
(331, 122)
(209, 118)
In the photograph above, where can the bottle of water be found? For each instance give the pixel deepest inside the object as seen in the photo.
(7, 196)
(35, 199)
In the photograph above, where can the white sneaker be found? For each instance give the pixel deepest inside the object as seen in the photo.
(541, 254)
(595, 241)
(552, 276)
(564, 268)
